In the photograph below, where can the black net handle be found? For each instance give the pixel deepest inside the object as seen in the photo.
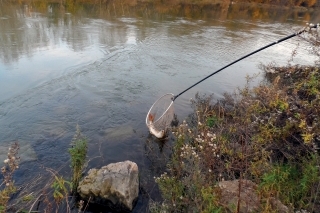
(243, 57)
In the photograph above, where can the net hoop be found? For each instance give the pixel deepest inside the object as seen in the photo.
(162, 113)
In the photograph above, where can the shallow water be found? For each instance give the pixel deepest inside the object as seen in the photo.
(103, 65)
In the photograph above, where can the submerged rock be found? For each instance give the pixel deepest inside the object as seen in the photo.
(116, 185)
(25, 152)
(119, 133)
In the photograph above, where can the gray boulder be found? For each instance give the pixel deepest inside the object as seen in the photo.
(116, 183)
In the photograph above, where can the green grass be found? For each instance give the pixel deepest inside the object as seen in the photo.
(78, 153)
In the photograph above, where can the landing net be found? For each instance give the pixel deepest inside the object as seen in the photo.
(160, 115)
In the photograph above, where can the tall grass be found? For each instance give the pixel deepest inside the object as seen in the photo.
(78, 153)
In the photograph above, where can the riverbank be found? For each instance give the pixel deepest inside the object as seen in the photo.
(299, 3)
(268, 135)
(252, 151)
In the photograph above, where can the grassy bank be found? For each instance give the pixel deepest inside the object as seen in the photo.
(300, 3)
(268, 135)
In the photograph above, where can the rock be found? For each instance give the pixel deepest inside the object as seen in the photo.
(278, 206)
(249, 199)
(116, 184)
(25, 152)
(119, 133)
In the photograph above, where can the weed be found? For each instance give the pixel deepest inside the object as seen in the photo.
(292, 183)
(61, 188)
(78, 153)
(8, 187)
(27, 198)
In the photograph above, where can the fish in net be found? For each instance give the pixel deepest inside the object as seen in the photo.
(160, 116)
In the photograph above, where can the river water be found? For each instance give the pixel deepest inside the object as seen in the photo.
(101, 65)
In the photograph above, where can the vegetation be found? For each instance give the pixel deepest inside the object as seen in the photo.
(303, 3)
(268, 134)
(57, 189)
(7, 186)
(78, 153)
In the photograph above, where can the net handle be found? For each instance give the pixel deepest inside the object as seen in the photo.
(243, 57)
(172, 99)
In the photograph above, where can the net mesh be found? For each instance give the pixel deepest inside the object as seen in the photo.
(161, 113)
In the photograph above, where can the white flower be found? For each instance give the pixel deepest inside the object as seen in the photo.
(199, 123)
(210, 170)
(6, 161)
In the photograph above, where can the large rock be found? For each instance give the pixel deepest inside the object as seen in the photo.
(116, 183)
(249, 199)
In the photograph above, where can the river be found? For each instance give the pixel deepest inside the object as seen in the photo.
(102, 64)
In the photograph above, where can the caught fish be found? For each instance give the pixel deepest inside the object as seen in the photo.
(152, 129)
(158, 134)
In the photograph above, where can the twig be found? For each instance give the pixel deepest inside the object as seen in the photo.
(34, 203)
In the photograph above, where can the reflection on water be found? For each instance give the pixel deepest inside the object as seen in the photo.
(101, 64)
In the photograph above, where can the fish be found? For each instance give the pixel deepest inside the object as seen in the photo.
(152, 129)
(158, 134)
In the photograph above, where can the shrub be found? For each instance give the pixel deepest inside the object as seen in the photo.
(78, 153)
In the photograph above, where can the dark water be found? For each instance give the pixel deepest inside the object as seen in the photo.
(102, 65)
